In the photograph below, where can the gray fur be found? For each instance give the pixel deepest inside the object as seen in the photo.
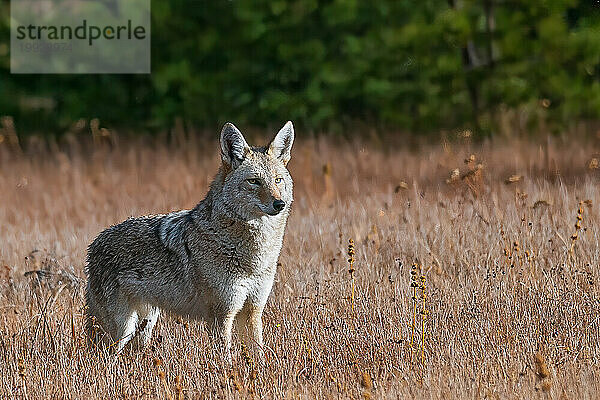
(171, 232)
(215, 262)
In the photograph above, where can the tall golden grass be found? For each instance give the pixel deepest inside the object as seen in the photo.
(507, 306)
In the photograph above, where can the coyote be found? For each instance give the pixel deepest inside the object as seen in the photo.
(215, 262)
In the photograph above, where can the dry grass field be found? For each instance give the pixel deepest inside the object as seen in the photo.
(504, 303)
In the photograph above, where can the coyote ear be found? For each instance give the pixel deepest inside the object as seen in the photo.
(233, 145)
(281, 145)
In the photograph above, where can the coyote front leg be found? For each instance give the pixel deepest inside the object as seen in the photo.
(223, 328)
(249, 324)
(249, 327)
(255, 326)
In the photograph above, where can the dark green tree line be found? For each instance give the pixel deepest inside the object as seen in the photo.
(327, 64)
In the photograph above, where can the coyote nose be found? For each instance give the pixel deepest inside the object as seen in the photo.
(278, 205)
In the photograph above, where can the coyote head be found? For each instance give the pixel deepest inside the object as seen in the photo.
(256, 182)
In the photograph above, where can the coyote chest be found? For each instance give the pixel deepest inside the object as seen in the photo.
(242, 266)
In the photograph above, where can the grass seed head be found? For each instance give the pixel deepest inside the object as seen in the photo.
(351, 255)
(21, 367)
(541, 366)
(546, 385)
(366, 381)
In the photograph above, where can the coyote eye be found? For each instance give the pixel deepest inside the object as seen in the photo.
(278, 180)
(254, 181)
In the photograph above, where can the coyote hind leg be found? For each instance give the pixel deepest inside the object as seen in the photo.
(97, 323)
(126, 326)
(125, 317)
(146, 325)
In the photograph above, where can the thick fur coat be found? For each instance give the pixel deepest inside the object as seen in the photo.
(215, 262)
